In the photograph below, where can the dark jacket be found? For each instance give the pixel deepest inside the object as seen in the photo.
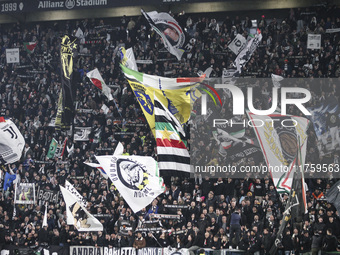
(287, 243)
(329, 243)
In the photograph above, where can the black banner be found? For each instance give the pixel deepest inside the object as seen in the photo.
(65, 113)
(47, 195)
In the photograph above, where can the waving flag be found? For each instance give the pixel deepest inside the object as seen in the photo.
(176, 94)
(171, 149)
(81, 219)
(276, 80)
(136, 178)
(98, 81)
(168, 29)
(237, 44)
(45, 217)
(279, 145)
(244, 56)
(52, 149)
(30, 46)
(9, 178)
(128, 58)
(11, 142)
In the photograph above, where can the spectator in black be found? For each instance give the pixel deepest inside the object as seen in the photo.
(329, 242)
(287, 242)
(43, 236)
(120, 242)
(305, 243)
(207, 243)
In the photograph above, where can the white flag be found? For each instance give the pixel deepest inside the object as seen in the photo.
(45, 217)
(276, 80)
(79, 198)
(136, 178)
(98, 81)
(11, 142)
(237, 44)
(105, 108)
(80, 34)
(119, 149)
(79, 216)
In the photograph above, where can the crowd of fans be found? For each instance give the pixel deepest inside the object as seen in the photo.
(242, 213)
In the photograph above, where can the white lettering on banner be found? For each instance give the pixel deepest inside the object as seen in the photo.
(91, 250)
(85, 250)
(117, 251)
(47, 195)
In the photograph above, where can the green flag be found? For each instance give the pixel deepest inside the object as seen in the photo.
(52, 149)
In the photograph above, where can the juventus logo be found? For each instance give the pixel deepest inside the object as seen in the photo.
(12, 132)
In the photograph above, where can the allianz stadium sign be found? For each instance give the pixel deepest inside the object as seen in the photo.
(70, 4)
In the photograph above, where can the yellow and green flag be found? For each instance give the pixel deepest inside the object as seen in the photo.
(176, 94)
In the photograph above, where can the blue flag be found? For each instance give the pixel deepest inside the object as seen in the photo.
(9, 178)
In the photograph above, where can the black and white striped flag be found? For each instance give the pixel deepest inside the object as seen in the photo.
(171, 148)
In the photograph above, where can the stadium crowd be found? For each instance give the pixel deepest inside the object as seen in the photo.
(222, 213)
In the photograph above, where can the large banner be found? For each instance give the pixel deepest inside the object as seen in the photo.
(25, 193)
(12, 55)
(46, 195)
(65, 111)
(81, 250)
(88, 250)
